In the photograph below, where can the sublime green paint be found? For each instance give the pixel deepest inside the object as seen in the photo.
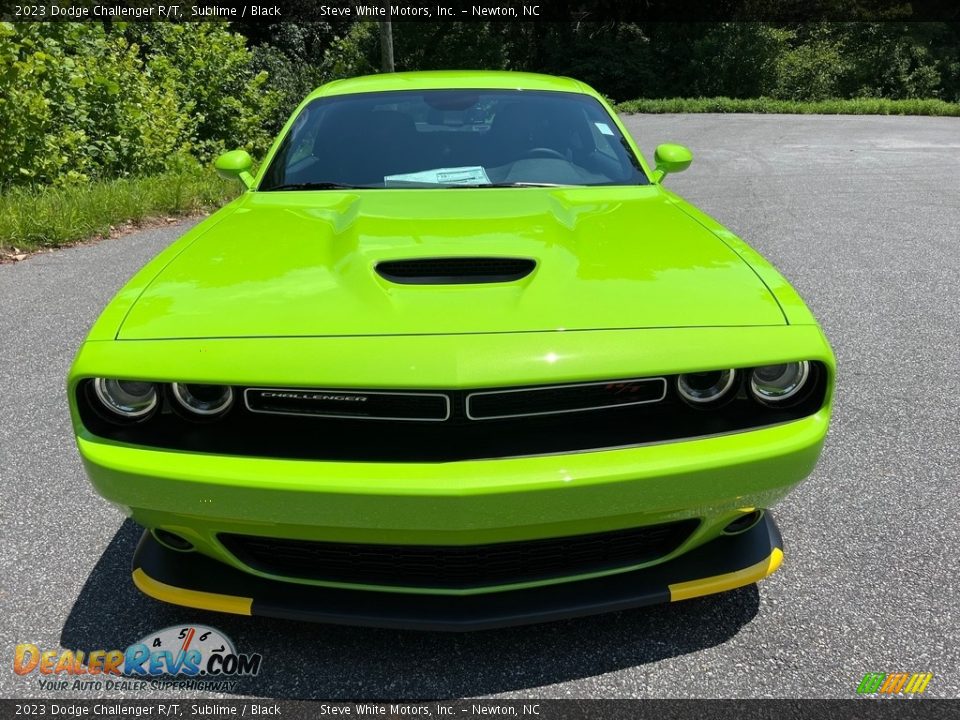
(235, 165)
(301, 264)
(279, 289)
(670, 158)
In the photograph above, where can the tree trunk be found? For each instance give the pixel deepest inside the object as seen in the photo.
(386, 41)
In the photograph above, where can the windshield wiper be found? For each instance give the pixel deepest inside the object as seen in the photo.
(343, 186)
(314, 186)
(513, 184)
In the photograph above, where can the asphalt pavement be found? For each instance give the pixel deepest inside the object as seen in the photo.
(862, 214)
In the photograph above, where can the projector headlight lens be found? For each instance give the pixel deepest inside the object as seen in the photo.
(705, 388)
(774, 384)
(204, 400)
(130, 399)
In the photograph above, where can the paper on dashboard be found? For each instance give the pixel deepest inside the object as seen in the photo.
(475, 175)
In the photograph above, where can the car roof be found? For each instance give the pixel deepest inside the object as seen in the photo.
(452, 79)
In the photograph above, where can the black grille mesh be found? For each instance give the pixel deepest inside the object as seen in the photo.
(425, 407)
(560, 399)
(458, 566)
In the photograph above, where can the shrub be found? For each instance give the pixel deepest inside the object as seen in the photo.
(835, 106)
(353, 53)
(74, 104)
(219, 92)
(80, 102)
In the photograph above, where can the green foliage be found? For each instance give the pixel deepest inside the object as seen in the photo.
(73, 104)
(615, 57)
(354, 53)
(811, 61)
(811, 69)
(289, 79)
(212, 71)
(895, 60)
(79, 102)
(835, 106)
(32, 218)
(298, 58)
(733, 59)
(465, 45)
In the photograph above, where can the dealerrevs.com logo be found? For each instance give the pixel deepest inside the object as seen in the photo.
(195, 656)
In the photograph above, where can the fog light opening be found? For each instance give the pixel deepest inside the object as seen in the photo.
(172, 541)
(743, 523)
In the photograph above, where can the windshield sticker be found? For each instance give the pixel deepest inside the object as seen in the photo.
(441, 176)
(604, 128)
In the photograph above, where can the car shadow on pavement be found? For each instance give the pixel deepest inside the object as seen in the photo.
(304, 661)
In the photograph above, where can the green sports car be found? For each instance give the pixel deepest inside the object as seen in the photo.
(455, 359)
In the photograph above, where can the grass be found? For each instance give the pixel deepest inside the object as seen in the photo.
(858, 106)
(35, 218)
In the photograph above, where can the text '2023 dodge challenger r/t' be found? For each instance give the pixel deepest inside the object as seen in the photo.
(455, 359)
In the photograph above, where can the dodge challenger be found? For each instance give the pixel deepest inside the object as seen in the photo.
(455, 358)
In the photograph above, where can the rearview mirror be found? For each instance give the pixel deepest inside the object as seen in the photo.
(235, 165)
(670, 158)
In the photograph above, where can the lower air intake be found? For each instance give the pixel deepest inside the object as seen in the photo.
(455, 566)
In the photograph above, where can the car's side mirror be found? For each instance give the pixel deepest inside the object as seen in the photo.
(235, 165)
(670, 158)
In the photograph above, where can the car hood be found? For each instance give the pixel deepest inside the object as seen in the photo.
(303, 264)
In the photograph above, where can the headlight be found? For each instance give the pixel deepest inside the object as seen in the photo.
(774, 384)
(131, 399)
(205, 400)
(706, 388)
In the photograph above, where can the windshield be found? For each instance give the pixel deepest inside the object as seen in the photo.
(452, 138)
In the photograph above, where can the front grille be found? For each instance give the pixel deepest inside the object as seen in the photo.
(455, 270)
(556, 399)
(458, 567)
(360, 404)
(422, 426)
(483, 405)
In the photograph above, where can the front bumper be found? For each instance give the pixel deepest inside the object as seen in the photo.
(194, 580)
(712, 480)
(202, 495)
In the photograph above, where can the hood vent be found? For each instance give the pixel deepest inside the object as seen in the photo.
(455, 270)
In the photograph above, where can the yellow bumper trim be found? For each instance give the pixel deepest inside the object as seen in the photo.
(191, 598)
(727, 581)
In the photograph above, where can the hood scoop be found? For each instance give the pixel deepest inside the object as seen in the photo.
(455, 270)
